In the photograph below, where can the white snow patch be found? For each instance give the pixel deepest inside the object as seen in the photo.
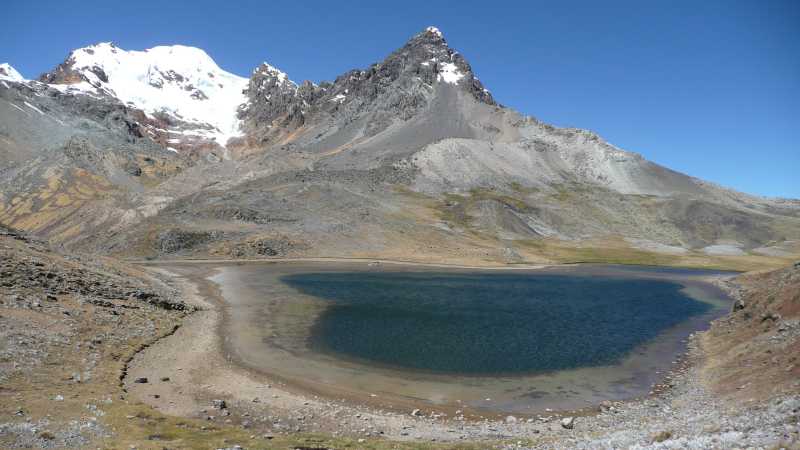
(434, 30)
(34, 108)
(172, 149)
(7, 72)
(15, 106)
(5, 84)
(449, 73)
(338, 98)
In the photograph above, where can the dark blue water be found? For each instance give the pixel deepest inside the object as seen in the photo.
(490, 323)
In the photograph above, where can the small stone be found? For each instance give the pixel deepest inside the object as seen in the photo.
(568, 423)
(511, 419)
(46, 435)
(416, 412)
(140, 380)
(219, 404)
(164, 378)
(661, 436)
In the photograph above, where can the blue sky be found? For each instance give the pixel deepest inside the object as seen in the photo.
(709, 88)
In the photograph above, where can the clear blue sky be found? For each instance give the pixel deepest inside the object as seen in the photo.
(709, 88)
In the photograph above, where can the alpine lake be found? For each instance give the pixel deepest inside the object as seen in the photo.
(495, 341)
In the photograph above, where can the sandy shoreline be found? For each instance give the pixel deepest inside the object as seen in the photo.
(377, 261)
(199, 369)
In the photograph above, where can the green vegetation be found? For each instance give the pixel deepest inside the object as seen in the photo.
(141, 427)
(478, 194)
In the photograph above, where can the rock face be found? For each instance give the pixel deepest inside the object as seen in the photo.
(273, 104)
(161, 152)
(394, 89)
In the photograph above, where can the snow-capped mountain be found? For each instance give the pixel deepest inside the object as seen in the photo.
(9, 73)
(180, 86)
(328, 165)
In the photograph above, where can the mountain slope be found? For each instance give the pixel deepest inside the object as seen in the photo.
(408, 158)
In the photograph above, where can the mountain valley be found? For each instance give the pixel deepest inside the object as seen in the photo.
(133, 182)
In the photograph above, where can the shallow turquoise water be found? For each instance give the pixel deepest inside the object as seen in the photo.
(489, 324)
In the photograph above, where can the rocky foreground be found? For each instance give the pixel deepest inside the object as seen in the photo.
(74, 329)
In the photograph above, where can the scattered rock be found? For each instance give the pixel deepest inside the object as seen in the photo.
(568, 423)
(219, 404)
(771, 316)
(47, 436)
(140, 380)
(661, 436)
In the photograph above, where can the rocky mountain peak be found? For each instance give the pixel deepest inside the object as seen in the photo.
(428, 56)
(395, 89)
(268, 81)
(434, 31)
(430, 36)
(270, 94)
